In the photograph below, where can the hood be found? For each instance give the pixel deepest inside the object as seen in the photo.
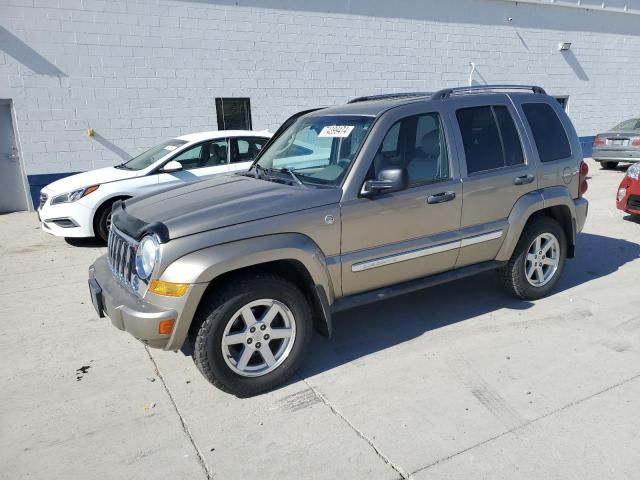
(223, 201)
(92, 177)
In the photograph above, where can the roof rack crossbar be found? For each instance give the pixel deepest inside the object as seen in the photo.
(390, 96)
(447, 92)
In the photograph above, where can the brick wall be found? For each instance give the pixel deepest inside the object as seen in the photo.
(140, 71)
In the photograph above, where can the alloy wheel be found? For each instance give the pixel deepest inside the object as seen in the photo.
(258, 337)
(542, 260)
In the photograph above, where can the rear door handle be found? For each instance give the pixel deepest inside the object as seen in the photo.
(441, 197)
(524, 179)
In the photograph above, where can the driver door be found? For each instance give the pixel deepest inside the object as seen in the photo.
(396, 237)
(201, 160)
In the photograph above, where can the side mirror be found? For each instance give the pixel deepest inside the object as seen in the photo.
(389, 180)
(172, 166)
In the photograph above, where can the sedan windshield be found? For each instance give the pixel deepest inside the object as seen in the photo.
(632, 124)
(318, 149)
(152, 155)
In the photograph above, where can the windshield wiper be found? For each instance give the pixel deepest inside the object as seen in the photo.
(123, 166)
(293, 175)
(268, 174)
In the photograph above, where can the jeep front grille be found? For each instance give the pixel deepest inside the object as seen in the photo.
(122, 256)
(43, 199)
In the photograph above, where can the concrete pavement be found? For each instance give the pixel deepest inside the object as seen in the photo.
(459, 381)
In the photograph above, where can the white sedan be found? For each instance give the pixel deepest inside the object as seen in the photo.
(80, 205)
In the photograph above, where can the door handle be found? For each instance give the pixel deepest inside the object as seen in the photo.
(441, 197)
(524, 179)
(12, 156)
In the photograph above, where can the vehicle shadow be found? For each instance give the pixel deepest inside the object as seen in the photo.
(366, 330)
(85, 242)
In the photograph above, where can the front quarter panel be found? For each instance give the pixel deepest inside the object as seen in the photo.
(209, 263)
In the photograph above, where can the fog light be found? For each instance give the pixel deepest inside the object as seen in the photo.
(621, 194)
(168, 289)
(165, 327)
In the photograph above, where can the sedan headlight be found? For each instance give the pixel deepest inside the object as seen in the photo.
(147, 256)
(74, 195)
(634, 171)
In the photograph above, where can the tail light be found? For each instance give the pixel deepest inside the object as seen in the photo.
(583, 185)
(598, 141)
(636, 142)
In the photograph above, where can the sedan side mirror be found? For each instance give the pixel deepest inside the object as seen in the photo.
(172, 166)
(388, 180)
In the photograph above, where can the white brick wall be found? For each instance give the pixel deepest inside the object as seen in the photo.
(140, 71)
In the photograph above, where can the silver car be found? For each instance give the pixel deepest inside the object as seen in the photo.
(620, 144)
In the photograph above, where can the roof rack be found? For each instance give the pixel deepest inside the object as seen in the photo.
(447, 92)
(390, 96)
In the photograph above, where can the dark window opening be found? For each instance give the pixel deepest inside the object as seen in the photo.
(233, 113)
(549, 135)
(490, 138)
(563, 101)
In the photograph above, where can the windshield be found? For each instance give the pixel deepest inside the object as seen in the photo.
(632, 124)
(318, 149)
(152, 155)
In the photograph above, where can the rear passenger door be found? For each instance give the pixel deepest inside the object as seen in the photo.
(496, 171)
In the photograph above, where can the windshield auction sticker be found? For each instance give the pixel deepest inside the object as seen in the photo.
(336, 131)
(171, 148)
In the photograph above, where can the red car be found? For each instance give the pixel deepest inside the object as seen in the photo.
(628, 198)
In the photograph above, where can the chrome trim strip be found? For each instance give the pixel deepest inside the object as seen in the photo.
(485, 237)
(423, 252)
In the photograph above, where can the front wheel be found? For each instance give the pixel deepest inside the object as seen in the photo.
(253, 334)
(537, 261)
(102, 222)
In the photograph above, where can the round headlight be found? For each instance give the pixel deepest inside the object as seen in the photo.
(147, 256)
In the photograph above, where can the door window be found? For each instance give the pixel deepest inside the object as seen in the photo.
(247, 149)
(548, 132)
(416, 143)
(216, 154)
(190, 158)
(490, 138)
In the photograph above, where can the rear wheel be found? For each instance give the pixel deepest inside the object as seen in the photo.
(253, 334)
(609, 165)
(538, 260)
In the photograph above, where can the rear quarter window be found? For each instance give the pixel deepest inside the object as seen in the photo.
(548, 132)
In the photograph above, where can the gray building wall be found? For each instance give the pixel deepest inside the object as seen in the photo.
(140, 71)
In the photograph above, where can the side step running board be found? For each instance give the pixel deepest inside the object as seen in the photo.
(359, 299)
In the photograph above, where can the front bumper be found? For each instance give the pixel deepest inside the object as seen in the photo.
(66, 219)
(141, 317)
(630, 203)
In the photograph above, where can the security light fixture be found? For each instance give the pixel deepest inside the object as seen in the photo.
(564, 46)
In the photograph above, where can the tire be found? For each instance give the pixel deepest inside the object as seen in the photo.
(514, 274)
(222, 315)
(102, 221)
(609, 165)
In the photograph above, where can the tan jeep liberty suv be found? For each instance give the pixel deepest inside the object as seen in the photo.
(345, 205)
